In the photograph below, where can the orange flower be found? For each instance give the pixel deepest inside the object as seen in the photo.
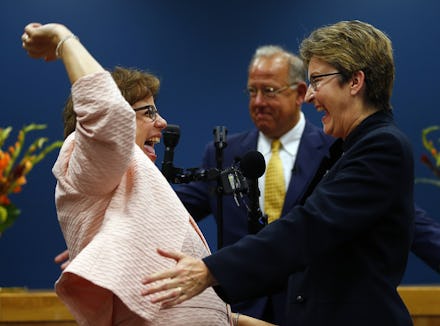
(16, 190)
(4, 200)
(4, 160)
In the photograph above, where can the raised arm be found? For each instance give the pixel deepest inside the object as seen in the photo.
(53, 41)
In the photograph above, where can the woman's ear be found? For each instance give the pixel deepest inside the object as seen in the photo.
(357, 81)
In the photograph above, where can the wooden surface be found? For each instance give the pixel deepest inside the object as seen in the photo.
(423, 302)
(21, 307)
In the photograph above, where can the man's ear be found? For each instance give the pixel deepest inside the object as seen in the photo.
(301, 90)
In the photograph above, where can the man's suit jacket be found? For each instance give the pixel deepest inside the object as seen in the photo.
(201, 200)
(345, 250)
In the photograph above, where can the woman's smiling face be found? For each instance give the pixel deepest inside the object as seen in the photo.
(148, 132)
(336, 100)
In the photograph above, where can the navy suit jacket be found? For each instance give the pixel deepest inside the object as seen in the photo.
(345, 250)
(201, 201)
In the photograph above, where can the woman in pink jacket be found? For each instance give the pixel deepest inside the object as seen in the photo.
(114, 206)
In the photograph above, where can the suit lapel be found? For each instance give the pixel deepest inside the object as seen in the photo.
(249, 142)
(326, 163)
(313, 147)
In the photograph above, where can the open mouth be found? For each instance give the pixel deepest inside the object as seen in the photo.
(149, 147)
(152, 141)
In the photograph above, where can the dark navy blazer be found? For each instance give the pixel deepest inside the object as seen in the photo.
(200, 199)
(345, 250)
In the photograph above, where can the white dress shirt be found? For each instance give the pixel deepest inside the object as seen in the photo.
(288, 151)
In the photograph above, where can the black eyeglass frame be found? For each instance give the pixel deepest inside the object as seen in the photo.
(313, 81)
(151, 111)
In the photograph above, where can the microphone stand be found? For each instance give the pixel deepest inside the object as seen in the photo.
(253, 166)
(257, 220)
(220, 143)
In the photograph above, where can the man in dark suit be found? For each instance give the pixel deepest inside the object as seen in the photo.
(277, 114)
(276, 87)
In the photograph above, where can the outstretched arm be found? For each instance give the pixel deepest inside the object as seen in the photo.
(187, 279)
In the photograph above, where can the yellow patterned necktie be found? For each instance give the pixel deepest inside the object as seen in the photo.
(275, 190)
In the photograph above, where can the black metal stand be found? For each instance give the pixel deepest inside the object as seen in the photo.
(256, 218)
(220, 143)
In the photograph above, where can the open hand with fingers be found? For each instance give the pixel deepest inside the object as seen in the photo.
(187, 279)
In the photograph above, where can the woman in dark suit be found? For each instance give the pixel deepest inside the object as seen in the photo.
(344, 251)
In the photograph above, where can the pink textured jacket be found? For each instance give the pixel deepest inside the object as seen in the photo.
(115, 208)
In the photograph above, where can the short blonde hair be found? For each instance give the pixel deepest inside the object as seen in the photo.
(352, 46)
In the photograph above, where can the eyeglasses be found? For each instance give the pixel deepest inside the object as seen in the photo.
(314, 80)
(267, 91)
(150, 111)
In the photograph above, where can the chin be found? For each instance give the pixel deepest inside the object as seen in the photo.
(265, 129)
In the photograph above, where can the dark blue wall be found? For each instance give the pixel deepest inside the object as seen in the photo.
(200, 49)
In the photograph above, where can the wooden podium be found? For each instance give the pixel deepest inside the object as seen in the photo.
(43, 308)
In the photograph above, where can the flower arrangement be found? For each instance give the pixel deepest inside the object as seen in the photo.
(13, 170)
(429, 145)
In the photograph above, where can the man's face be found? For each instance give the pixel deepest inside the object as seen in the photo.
(277, 114)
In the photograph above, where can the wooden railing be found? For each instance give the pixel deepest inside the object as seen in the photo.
(43, 308)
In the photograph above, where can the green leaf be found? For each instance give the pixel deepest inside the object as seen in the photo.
(12, 213)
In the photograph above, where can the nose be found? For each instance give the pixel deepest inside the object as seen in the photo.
(160, 122)
(259, 98)
(310, 94)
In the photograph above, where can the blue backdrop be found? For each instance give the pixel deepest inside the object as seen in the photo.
(201, 50)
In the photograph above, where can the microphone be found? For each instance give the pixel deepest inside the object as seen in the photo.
(253, 166)
(171, 135)
(220, 133)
